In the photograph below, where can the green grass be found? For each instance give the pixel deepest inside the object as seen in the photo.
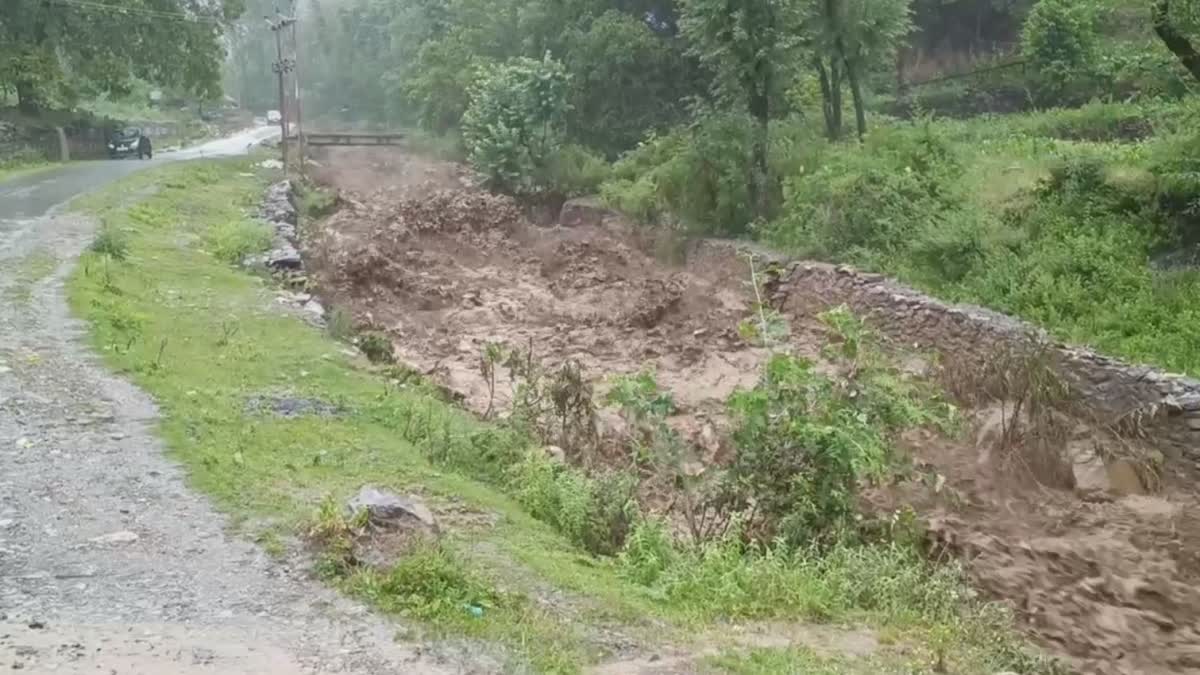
(11, 170)
(802, 661)
(167, 310)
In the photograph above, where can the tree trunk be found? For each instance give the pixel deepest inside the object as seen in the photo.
(826, 96)
(830, 80)
(835, 96)
(27, 101)
(760, 110)
(860, 115)
(1176, 41)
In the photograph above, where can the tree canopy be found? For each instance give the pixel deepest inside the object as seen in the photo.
(53, 51)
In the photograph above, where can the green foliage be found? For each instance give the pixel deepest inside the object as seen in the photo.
(573, 171)
(727, 580)
(697, 174)
(340, 324)
(430, 583)
(49, 54)
(111, 242)
(234, 240)
(626, 79)
(317, 202)
(377, 347)
(1060, 41)
(805, 440)
(648, 553)
(595, 513)
(514, 122)
(802, 449)
(639, 396)
(867, 203)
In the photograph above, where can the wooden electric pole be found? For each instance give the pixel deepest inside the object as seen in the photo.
(282, 67)
(300, 150)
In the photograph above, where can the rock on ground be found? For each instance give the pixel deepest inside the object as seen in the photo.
(386, 509)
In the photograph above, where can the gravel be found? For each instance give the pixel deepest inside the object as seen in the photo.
(103, 545)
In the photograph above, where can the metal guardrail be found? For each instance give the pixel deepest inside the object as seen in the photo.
(314, 140)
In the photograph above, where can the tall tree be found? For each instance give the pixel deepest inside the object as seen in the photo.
(1168, 19)
(50, 50)
(744, 44)
(847, 39)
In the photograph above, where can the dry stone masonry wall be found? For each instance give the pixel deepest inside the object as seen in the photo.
(1168, 404)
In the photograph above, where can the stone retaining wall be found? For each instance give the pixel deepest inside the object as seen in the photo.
(1168, 404)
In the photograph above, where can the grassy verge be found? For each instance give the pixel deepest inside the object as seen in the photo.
(167, 309)
(10, 170)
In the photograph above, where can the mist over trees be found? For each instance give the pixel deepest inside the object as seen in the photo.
(55, 52)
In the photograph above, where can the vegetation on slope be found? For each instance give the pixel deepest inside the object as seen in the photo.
(165, 307)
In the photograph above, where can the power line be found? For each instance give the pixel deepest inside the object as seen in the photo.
(142, 11)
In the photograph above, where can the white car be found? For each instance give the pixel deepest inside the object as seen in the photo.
(273, 117)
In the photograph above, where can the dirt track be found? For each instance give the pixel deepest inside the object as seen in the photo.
(108, 561)
(1108, 581)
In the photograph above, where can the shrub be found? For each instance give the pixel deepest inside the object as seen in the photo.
(1096, 122)
(1060, 40)
(573, 171)
(377, 347)
(867, 205)
(317, 202)
(649, 552)
(805, 440)
(514, 121)
(595, 513)
(699, 175)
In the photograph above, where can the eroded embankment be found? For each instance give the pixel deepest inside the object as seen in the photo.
(1102, 569)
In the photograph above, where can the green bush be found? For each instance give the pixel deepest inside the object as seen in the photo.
(1060, 40)
(804, 440)
(594, 512)
(699, 175)
(514, 122)
(726, 579)
(648, 553)
(316, 202)
(868, 204)
(573, 171)
(377, 347)
(1096, 122)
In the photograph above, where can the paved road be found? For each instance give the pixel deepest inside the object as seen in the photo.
(109, 563)
(34, 195)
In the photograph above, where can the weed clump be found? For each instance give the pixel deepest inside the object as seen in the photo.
(429, 583)
(232, 241)
(111, 242)
(594, 512)
(377, 347)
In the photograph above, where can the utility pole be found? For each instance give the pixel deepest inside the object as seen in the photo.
(296, 81)
(282, 67)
